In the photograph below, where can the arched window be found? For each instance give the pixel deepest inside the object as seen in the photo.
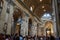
(46, 16)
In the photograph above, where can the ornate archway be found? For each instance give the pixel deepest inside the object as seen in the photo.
(16, 15)
(49, 27)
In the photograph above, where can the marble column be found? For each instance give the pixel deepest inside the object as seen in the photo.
(56, 17)
(24, 26)
(34, 28)
(3, 14)
(10, 20)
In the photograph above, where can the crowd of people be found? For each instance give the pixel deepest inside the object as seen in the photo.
(20, 37)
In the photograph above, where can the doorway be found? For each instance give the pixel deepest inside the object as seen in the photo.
(18, 28)
(29, 26)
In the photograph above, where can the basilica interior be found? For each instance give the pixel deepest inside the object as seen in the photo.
(30, 17)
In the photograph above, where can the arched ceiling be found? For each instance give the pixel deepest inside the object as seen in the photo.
(37, 6)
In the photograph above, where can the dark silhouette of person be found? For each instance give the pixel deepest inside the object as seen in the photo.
(52, 37)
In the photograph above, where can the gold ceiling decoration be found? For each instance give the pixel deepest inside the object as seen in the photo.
(37, 6)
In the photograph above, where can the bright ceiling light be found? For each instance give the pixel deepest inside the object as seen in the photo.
(40, 0)
(43, 6)
(44, 10)
(31, 8)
